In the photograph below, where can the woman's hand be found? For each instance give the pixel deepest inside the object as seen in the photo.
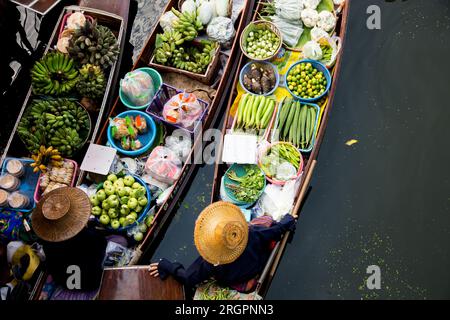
(154, 269)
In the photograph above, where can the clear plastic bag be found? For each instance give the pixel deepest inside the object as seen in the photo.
(180, 143)
(335, 44)
(138, 87)
(221, 29)
(312, 50)
(183, 109)
(163, 165)
(290, 29)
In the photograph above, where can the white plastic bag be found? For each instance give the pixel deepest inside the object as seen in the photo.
(138, 87)
(163, 165)
(221, 29)
(335, 44)
(277, 201)
(180, 143)
(312, 50)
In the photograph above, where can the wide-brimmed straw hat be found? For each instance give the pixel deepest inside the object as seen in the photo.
(221, 233)
(61, 214)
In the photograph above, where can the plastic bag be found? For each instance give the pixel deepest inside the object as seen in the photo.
(312, 50)
(291, 30)
(180, 143)
(221, 29)
(335, 44)
(184, 109)
(163, 165)
(277, 201)
(138, 87)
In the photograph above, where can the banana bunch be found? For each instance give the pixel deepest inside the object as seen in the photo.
(92, 82)
(188, 24)
(54, 74)
(45, 120)
(166, 45)
(45, 157)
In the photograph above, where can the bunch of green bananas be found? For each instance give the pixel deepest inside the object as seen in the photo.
(54, 74)
(188, 24)
(166, 45)
(60, 123)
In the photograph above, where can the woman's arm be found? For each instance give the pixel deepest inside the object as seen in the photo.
(274, 232)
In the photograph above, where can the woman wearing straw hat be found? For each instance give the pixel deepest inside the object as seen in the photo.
(60, 219)
(230, 251)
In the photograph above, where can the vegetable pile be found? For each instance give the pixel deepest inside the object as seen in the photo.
(120, 202)
(297, 123)
(305, 81)
(127, 129)
(60, 123)
(249, 186)
(260, 79)
(254, 112)
(261, 43)
(281, 161)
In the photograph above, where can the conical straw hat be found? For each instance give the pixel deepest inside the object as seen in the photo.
(221, 233)
(61, 214)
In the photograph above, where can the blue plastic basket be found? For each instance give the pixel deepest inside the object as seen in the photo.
(142, 215)
(28, 182)
(270, 65)
(313, 141)
(157, 82)
(240, 171)
(319, 66)
(146, 139)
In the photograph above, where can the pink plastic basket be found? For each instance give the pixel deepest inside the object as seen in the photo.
(38, 192)
(275, 181)
(64, 22)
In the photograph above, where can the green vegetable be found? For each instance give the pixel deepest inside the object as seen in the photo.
(290, 118)
(261, 43)
(249, 186)
(254, 112)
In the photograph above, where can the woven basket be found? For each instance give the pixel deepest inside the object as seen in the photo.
(260, 24)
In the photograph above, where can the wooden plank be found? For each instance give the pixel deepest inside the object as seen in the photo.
(135, 283)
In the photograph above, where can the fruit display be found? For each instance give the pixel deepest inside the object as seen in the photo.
(92, 82)
(248, 187)
(119, 202)
(188, 24)
(45, 158)
(94, 44)
(281, 161)
(254, 112)
(174, 50)
(60, 123)
(297, 123)
(261, 43)
(54, 74)
(259, 78)
(306, 81)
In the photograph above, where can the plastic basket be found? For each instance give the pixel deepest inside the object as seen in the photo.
(163, 95)
(28, 182)
(64, 22)
(38, 192)
(240, 171)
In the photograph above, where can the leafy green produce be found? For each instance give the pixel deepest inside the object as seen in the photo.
(249, 186)
(306, 81)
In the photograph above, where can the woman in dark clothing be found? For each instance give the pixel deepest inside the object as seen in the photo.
(60, 220)
(230, 251)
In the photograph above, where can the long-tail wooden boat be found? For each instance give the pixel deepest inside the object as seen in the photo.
(310, 159)
(221, 85)
(15, 147)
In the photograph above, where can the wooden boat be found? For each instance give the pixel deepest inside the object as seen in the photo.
(309, 158)
(221, 87)
(15, 147)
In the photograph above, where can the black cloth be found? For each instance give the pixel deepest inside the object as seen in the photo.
(246, 267)
(86, 250)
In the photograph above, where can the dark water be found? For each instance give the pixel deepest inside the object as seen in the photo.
(385, 200)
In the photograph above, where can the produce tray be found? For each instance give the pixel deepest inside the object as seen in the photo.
(265, 136)
(64, 22)
(162, 97)
(38, 192)
(27, 182)
(205, 78)
(274, 130)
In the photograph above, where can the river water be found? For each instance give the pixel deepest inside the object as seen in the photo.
(385, 200)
